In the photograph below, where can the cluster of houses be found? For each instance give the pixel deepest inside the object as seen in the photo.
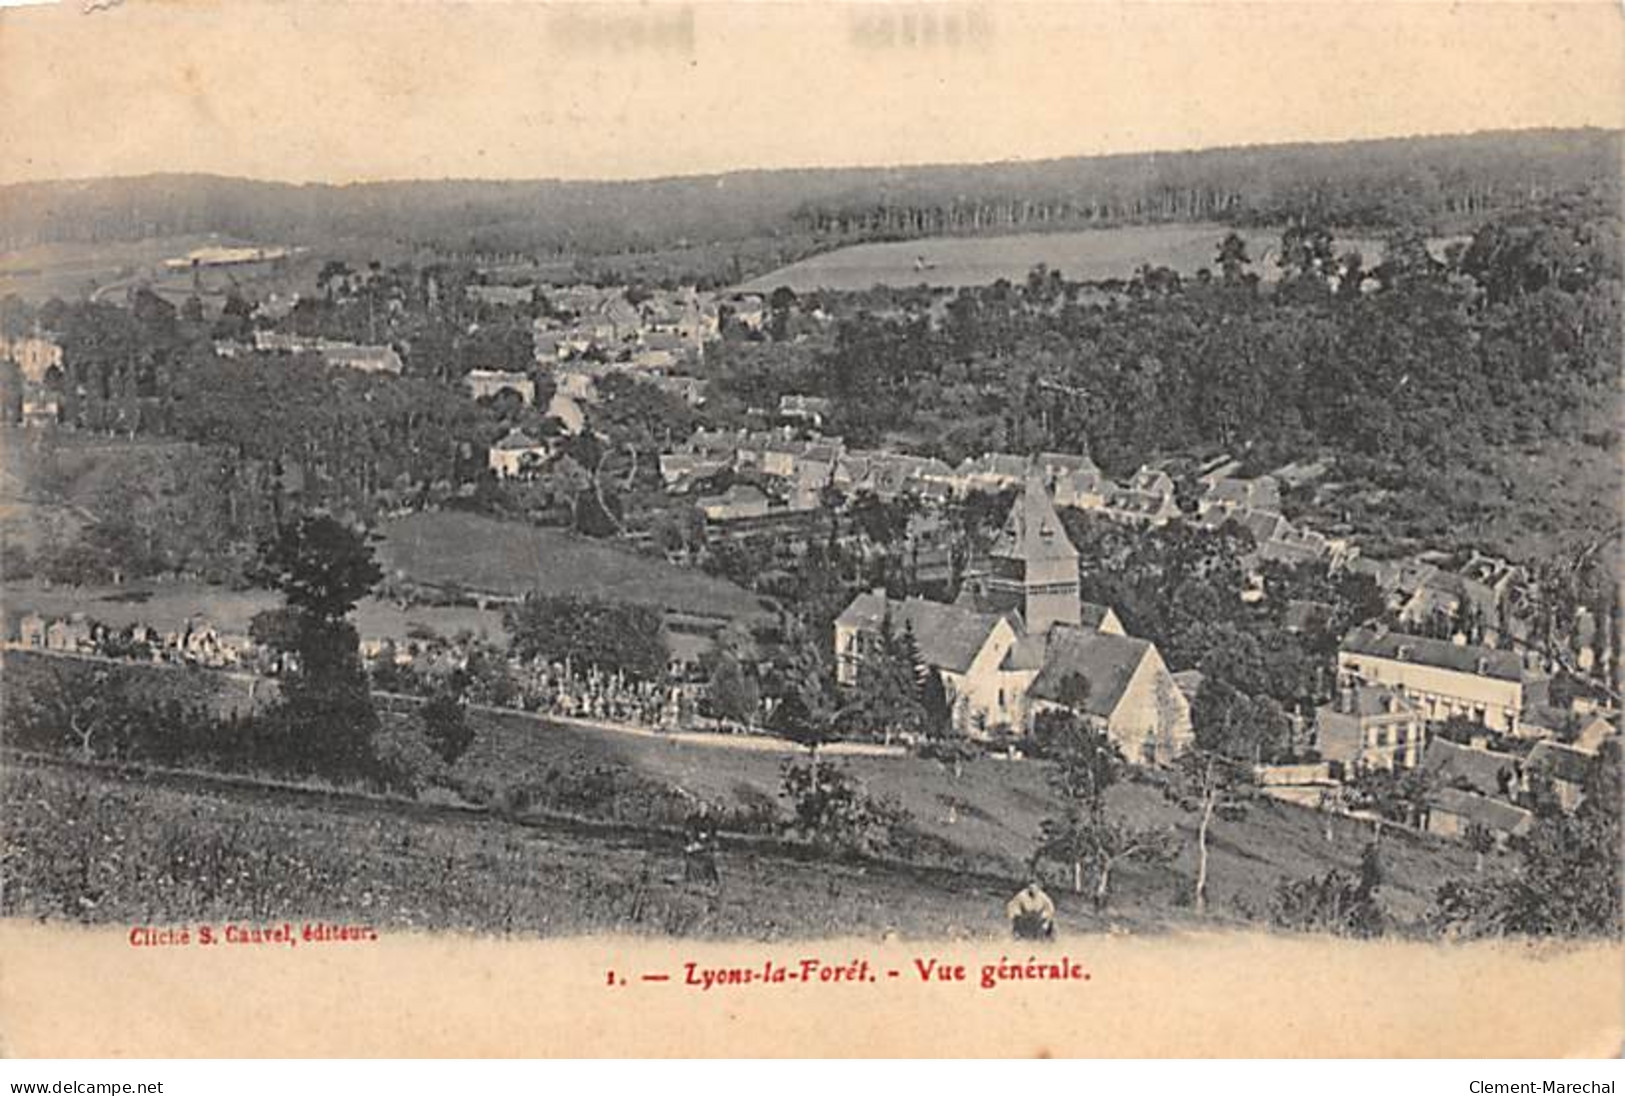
(517, 453)
(798, 464)
(1018, 640)
(1396, 689)
(658, 331)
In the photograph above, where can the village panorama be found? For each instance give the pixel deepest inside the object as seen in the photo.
(1224, 540)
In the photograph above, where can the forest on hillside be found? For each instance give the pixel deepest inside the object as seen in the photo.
(1438, 182)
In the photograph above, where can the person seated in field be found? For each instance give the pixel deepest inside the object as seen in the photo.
(1031, 913)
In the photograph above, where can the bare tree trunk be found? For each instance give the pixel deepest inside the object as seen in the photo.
(85, 734)
(1077, 877)
(1201, 853)
(598, 492)
(1103, 885)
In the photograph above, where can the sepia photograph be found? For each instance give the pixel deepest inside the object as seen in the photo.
(900, 529)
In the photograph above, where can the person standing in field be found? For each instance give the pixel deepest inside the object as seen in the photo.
(699, 847)
(1031, 913)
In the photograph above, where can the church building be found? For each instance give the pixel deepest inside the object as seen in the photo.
(1019, 639)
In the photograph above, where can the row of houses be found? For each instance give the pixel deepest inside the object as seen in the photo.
(196, 641)
(336, 353)
(809, 462)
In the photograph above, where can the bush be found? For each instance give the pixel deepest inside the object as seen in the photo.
(406, 761)
(831, 809)
(446, 727)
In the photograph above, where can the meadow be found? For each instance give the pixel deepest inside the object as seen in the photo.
(984, 821)
(478, 553)
(1091, 255)
(74, 270)
(95, 847)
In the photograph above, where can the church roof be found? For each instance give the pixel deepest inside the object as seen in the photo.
(1033, 531)
(949, 637)
(517, 439)
(1107, 662)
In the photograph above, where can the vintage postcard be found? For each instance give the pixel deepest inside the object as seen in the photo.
(724, 529)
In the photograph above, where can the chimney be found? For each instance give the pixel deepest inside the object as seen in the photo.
(1481, 665)
(1390, 703)
(1346, 700)
(1404, 652)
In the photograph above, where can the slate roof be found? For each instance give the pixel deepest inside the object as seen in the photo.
(1007, 465)
(1264, 525)
(1262, 493)
(803, 405)
(1151, 480)
(1107, 662)
(949, 637)
(1494, 814)
(517, 439)
(1033, 531)
(1460, 657)
(1301, 615)
(1455, 765)
(1560, 761)
(1374, 700)
(1066, 464)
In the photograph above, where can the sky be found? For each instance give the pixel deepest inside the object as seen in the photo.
(316, 90)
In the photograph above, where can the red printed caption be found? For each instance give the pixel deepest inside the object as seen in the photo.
(862, 972)
(281, 934)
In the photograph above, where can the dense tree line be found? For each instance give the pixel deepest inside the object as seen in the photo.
(1415, 361)
(1404, 181)
(590, 633)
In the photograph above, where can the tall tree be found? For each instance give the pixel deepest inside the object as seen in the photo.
(325, 720)
(1085, 763)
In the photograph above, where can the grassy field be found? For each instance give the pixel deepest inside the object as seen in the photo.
(484, 554)
(77, 270)
(74, 270)
(1091, 255)
(141, 852)
(23, 674)
(156, 848)
(985, 821)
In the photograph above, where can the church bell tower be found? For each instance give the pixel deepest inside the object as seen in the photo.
(1034, 565)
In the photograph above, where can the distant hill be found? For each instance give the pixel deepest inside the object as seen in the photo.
(1437, 181)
